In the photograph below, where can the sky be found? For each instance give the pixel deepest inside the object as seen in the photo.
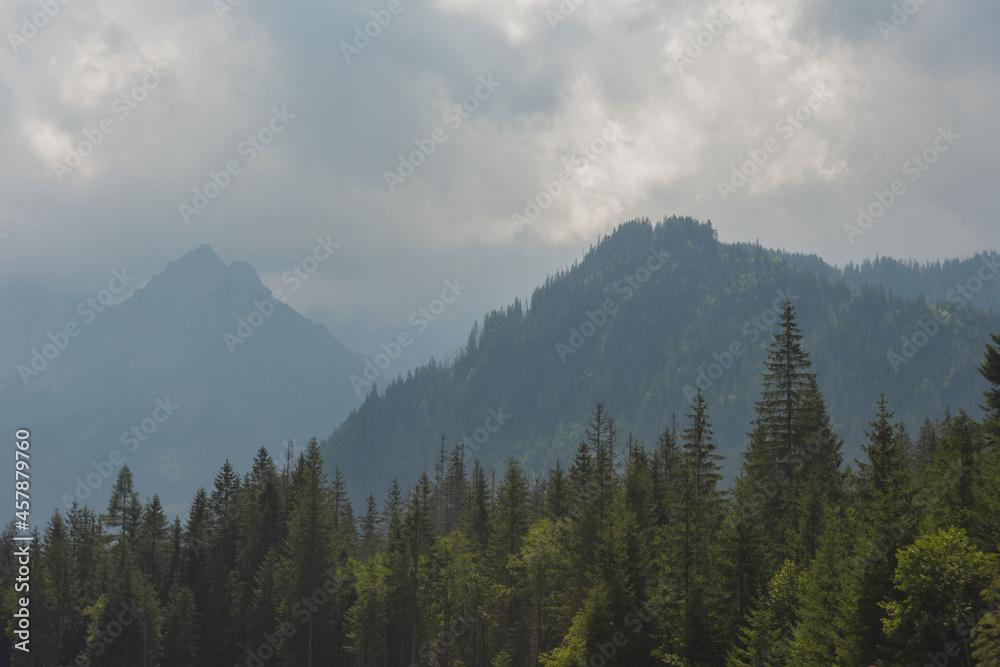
(485, 142)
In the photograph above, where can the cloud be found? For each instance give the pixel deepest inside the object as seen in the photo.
(687, 121)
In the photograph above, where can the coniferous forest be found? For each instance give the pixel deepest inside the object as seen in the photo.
(631, 553)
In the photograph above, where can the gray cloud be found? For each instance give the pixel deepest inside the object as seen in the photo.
(683, 132)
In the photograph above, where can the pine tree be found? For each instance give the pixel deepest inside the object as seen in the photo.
(741, 557)
(179, 635)
(926, 446)
(60, 615)
(392, 511)
(260, 529)
(583, 514)
(509, 526)
(793, 457)
(124, 513)
(771, 626)
(417, 540)
(309, 560)
(456, 489)
(220, 555)
(819, 639)
(262, 614)
(370, 524)
(666, 476)
(479, 508)
(344, 529)
(698, 516)
(955, 474)
(555, 493)
(86, 541)
(601, 434)
(153, 545)
(990, 369)
(884, 505)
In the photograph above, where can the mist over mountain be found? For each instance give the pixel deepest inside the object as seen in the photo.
(520, 387)
(641, 331)
(199, 365)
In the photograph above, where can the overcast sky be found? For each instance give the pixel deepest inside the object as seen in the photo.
(691, 90)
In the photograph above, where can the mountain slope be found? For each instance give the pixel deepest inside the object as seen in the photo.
(167, 345)
(704, 316)
(970, 281)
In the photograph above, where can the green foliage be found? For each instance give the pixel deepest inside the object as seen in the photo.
(770, 628)
(665, 339)
(940, 578)
(630, 556)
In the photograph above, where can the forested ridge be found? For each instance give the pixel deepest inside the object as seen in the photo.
(938, 282)
(669, 332)
(627, 552)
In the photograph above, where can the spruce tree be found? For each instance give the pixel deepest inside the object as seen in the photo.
(698, 518)
(884, 495)
(370, 528)
(124, 513)
(990, 369)
(154, 546)
(793, 457)
(308, 562)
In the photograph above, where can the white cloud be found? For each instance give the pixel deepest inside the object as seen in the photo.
(684, 131)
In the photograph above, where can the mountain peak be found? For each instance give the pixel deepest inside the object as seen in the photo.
(193, 273)
(203, 255)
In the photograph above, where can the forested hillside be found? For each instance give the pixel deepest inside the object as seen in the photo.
(624, 556)
(641, 331)
(969, 281)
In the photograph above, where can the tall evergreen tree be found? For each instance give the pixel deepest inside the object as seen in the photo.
(124, 513)
(308, 563)
(154, 545)
(793, 457)
(990, 369)
(698, 516)
(884, 502)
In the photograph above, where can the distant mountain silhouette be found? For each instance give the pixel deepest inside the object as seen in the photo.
(242, 369)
